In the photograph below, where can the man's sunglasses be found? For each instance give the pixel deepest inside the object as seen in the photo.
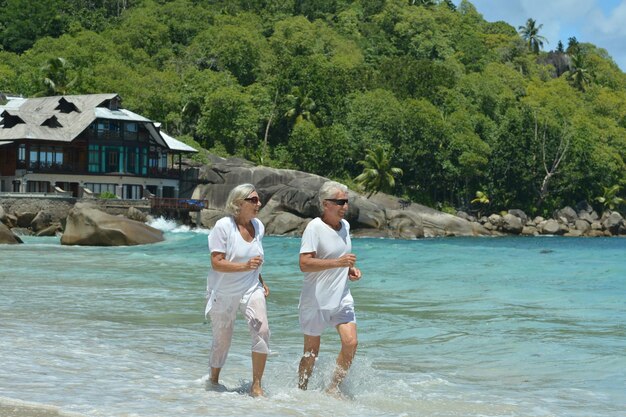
(338, 201)
(253, 200)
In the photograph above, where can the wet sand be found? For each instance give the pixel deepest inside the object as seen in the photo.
(16, 408)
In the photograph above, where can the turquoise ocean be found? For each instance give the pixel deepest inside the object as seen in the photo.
(447, 327)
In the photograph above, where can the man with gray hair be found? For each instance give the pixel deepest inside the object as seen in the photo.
(325, 300)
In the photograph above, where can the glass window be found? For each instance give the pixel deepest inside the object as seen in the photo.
(33, 157)
(58, 155)
(115, 129)
(21, 153)
(100, 188)
(144, 161)
(94, 158)
(113, 158)
(130, 131)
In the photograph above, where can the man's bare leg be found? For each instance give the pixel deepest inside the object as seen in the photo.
(349, 342)
(311, 350)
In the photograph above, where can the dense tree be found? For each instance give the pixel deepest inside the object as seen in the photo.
(459, 104)
(24, 21)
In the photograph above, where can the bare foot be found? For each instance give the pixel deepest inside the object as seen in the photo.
(256, 390)
(335, 392)
(215, 386)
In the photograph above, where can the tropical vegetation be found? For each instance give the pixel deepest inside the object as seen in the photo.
(458, 104)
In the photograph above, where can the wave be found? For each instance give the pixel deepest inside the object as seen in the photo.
(168, 225)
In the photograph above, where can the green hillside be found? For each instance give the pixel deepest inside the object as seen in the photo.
(334, 87)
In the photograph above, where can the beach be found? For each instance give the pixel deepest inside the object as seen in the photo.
(447, 327)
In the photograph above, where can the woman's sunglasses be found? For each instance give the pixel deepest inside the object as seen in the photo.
(338, 201)
(253, 200)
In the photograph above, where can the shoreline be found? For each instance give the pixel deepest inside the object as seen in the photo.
(11, 407)
(42, 217)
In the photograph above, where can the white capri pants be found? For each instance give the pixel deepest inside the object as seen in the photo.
(223, 313)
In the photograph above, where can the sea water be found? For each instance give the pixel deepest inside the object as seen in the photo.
(447, 327)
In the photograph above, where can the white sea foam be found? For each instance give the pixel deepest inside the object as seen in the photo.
(169, 225)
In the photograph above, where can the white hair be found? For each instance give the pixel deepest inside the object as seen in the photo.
(329, 189)
(236, 197)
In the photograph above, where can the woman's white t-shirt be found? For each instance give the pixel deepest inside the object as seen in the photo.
(325, 289)
(226, 238)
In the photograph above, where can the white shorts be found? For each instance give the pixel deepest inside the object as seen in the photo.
(313, 321)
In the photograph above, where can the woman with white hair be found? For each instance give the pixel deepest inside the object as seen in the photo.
(328, 264)
(235, 282)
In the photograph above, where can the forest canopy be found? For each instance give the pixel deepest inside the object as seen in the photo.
(457, 104)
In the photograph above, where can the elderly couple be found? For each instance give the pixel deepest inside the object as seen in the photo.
(235, 283)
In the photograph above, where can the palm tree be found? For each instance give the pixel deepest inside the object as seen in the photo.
(573, 46)
(378, 175)
(302, 106)
(481, 198)
(580, 75)
(56, 80)
(530, 33)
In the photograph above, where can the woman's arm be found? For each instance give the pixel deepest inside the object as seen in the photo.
(309, 263)
(221, 264)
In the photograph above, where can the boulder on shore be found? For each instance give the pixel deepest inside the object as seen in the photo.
(88, 226)
(290, 201)
(7, 236)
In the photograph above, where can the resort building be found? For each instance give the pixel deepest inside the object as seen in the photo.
(85, 144)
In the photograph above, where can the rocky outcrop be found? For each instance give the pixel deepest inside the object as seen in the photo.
(291, 201)
(581, 221)
(88, 226)
(8, 237)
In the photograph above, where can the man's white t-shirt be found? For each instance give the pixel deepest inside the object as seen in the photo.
(226, 238)
(325, 289)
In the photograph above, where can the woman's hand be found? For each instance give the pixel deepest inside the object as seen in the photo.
(254, 263)
(354, 274)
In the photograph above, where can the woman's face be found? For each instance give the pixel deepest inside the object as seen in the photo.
(336, 206)
(250, 205)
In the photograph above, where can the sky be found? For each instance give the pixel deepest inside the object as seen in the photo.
(600, 22)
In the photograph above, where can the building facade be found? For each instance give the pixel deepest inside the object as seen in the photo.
(85, 144)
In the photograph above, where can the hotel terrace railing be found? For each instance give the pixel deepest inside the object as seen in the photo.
(181, 204)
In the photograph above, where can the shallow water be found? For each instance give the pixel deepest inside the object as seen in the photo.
(447, 327)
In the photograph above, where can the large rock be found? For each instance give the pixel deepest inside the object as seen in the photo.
(433, 223)
(550, 227)
(41, 221)
(52, 230)
(520, 214)
(582, 225)
(290, 201)
(88, 226)
(568, 213)
(7, 237)
(512, 224)
(612, 222)
(25, 218)
(405, 224)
